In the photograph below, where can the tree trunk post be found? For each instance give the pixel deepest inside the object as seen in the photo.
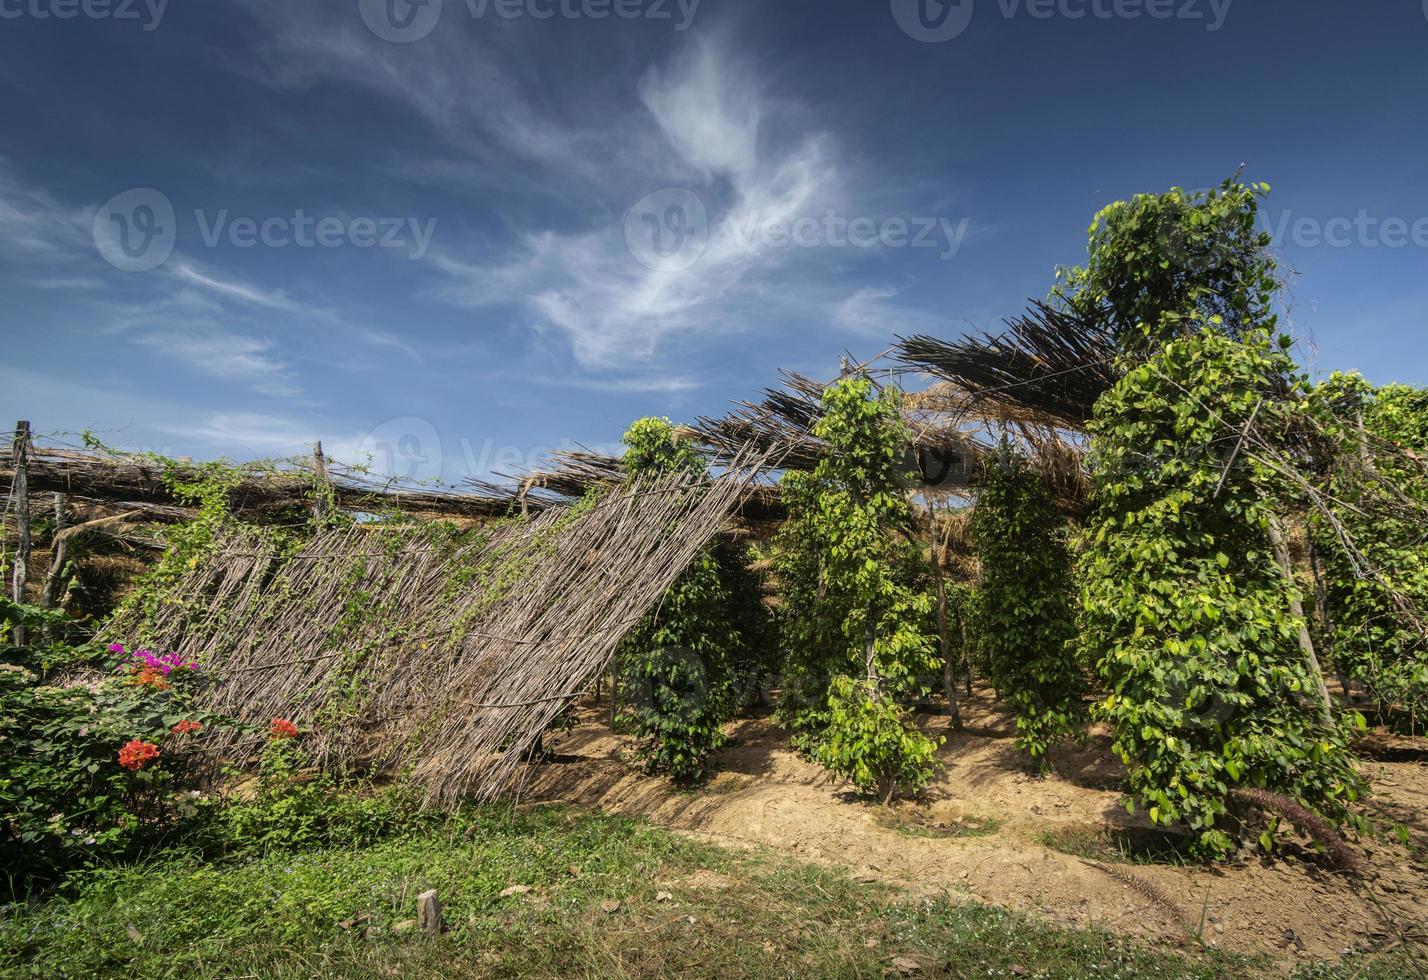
(429, 913)
(321, 506)
(949, 679)
(1296, 609)
(20, 491)
(59, 555)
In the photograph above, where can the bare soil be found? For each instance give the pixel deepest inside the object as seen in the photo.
(990, 830)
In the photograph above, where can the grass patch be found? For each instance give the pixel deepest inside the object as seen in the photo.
(916, 824)
(684, 909)
(1120, 846)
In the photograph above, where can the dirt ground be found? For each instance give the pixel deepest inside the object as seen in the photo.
(982, 834)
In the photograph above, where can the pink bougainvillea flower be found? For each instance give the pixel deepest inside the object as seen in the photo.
(282, 728)
(116, 648)
(137, 754)
(165, 664)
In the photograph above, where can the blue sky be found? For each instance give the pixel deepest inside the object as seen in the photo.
(520, 224)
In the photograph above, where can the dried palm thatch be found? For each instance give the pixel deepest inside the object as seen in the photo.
(1048, 368)
(396, 653)
(784, 419)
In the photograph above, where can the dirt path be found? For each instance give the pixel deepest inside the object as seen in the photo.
(982, 833)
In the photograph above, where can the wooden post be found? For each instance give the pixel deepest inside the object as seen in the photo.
(429, 913)
(20, 491)
(322, 503)
(59, 548)
(1326, 619)
(949, 679)
(1296, 608)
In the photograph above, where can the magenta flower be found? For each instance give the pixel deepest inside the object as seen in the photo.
(164, 664)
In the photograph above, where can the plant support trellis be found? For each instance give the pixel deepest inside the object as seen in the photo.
(445, 663)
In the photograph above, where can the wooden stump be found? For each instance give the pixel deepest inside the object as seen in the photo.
(429, 913)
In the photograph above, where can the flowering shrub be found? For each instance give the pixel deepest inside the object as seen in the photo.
(137, 754)
(282, 728)
(90, 760)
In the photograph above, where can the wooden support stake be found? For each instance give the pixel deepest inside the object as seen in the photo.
(429, 913)
(20, 490)
(59, 548)
(1296, 609)
(320, 505)
(949, 673)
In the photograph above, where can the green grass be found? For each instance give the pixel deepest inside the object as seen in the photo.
(1119, 846)
(914, 824)
(726, 914)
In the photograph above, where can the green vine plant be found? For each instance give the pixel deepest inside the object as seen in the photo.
(857, 618)
(1196, 254)
(1185, 609)
(677, 664)
(1024, 614)
(1373, 607)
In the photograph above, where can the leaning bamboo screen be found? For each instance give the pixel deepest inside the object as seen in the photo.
(398, 654)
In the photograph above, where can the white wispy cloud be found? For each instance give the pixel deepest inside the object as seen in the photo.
(872, 312)
(231, 357)
(709, 110)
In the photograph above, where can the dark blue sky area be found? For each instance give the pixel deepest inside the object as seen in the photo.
(461, 233)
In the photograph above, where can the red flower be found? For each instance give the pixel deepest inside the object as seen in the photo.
(149, 677)
(138, 754)
(186, 727)
(282, 728)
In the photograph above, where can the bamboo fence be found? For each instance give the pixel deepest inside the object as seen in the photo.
(395, 653)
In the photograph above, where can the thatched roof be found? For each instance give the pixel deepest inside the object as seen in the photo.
(1047, 369)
